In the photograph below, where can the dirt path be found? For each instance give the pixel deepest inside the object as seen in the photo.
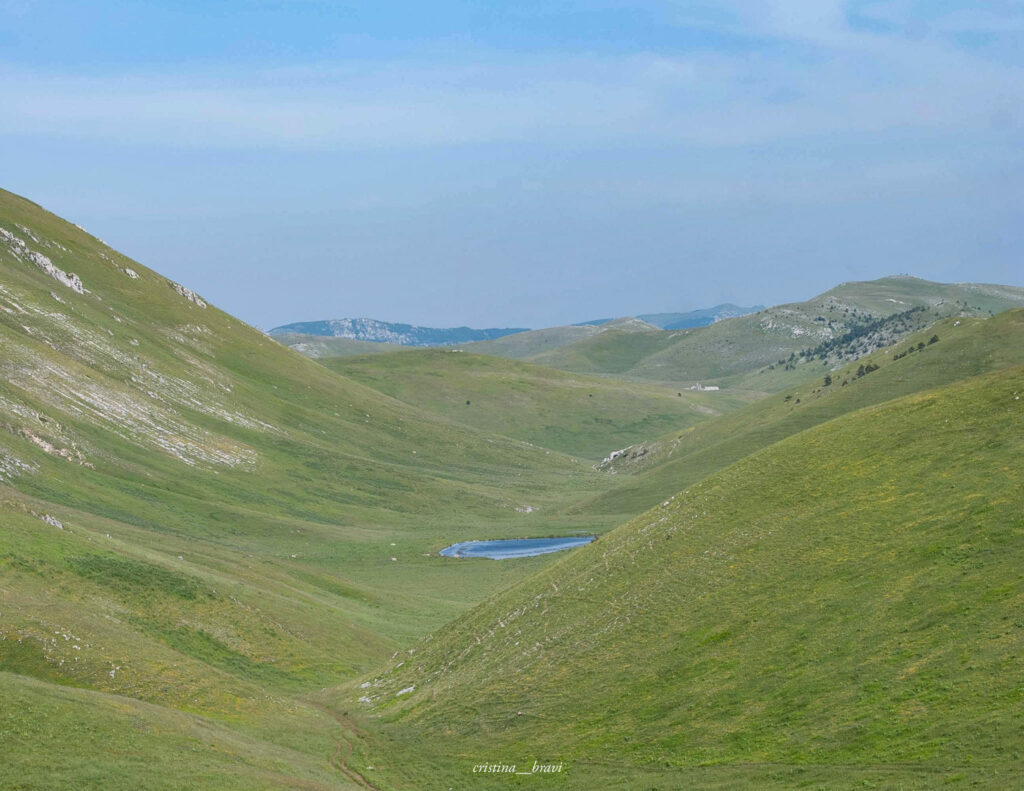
(343, 752)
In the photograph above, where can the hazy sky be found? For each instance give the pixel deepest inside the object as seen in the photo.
(523, 164)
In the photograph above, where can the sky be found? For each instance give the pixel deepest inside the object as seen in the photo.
(526, 164)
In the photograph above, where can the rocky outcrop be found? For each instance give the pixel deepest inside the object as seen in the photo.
(21, 250)
(187, 293)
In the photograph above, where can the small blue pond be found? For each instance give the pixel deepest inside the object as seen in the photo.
(513, 547)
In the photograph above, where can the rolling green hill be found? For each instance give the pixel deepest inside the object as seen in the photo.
(650, 471)
(730, 351)
(761, 351)
(697, 318)
(219, 570)
(526, 345)
(581, 415)
(839, 610)
(202, 520)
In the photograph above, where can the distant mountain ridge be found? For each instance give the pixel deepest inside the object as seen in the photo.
(376, 331)
(682, 321)
(698, 318)
(760, 349)
(391, 332)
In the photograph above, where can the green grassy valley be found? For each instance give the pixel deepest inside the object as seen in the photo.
(219, 557)
(200, 519)
(839, 610)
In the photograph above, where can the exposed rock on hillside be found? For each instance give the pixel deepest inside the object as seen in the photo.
(187, 293)
(21, 250)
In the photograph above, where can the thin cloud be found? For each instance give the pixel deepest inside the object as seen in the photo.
(706, 99)
(837, 77)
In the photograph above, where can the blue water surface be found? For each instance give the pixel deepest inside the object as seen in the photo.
(513, 547)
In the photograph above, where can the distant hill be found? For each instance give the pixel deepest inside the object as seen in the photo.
(585, 416)
(697, 318)
(389, 332)
(532, 345)
(768, 350)
(323, 346)
(681, 321)
(301, 335)
(949, 350)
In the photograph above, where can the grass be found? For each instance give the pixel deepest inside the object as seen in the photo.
(526, 345)
(735, 352)
(240, 526)
(58, 737)
(840, 609)
(320, 346)
(584, 416)
(207, 541)
(967, 347)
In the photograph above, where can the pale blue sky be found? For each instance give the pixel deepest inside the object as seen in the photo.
(527, 164)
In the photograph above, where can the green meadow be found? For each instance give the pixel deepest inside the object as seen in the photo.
(585, 416)
(219, 568)
(841, 609)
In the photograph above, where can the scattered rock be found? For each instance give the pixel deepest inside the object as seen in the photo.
(22, 251)
(187, 293)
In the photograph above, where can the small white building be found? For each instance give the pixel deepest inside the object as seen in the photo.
(699, 386)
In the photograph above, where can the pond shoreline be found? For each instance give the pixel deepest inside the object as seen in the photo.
(509, 548)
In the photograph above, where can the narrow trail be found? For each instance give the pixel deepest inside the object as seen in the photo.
(343, 752)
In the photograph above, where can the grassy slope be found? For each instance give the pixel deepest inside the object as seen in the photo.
(967, 347)
(230, 509)
(581, 415)
(230, 513)
(617, 350)
(62, 737)
(732, 352)
(526, 345)
(839, 610)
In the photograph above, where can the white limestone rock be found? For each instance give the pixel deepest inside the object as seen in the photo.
(21, 250)
(187, 293)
